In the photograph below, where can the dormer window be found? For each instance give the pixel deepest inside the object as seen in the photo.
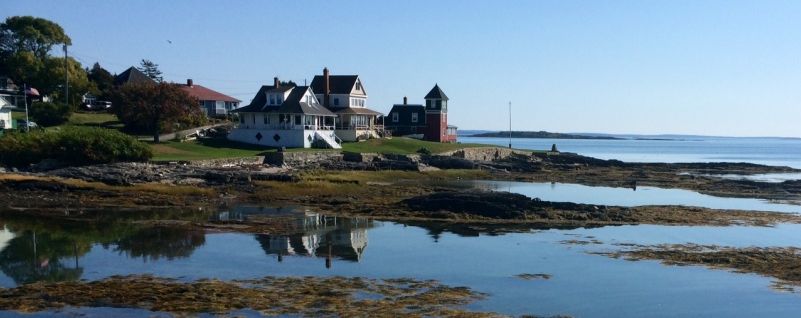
(272, 99)
(336, 101)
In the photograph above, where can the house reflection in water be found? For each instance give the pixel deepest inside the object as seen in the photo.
(321, 236)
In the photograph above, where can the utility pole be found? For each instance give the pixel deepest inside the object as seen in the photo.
(510, 125)
(66, 78)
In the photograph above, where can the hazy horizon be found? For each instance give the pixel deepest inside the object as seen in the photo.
(715, 68)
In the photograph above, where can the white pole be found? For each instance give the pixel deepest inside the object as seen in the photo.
(510, 125)
(25, 99)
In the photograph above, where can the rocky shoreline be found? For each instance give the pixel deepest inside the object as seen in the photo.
(394, 187)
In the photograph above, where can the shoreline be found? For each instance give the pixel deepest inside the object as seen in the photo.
(422, 191)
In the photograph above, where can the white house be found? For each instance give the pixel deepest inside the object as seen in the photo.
(286, 116)
(5, 114)
(346, 97)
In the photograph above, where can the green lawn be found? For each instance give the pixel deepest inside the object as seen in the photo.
(402, 145)
(100, 119)
(204, 149)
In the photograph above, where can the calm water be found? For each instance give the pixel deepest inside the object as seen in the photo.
(566, 192)
(767, 151)
(583, 285)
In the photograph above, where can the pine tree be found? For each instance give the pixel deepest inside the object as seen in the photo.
(151, 70)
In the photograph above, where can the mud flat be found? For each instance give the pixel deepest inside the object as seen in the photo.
(305, 296)
(781, 263)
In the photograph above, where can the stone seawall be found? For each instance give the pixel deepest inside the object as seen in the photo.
(246, 161)
(484, 153)
(301, 158)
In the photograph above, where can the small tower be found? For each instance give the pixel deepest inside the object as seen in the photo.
(436, 116)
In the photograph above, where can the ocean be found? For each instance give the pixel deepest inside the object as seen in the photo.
(766, 151)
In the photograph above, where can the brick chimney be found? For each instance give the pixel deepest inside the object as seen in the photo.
(326, 88)
(276, 82)
(189, 82)
(404, 100)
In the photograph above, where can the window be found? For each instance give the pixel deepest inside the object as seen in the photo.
(336, 101)
(414, 117)
(428, 103)
(242, 119)
(358, 86)
(297, 119)
(279, 99)
(395, 117)
(272, 99)
(266, 119)
(254, 118)
(439, 104)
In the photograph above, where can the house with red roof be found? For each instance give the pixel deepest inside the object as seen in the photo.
(214, 103)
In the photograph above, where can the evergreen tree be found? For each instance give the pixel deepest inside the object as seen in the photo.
(151, 70)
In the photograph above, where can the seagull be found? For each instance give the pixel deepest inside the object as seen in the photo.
(168, 41)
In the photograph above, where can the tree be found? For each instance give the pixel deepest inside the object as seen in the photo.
(156, 108)
(151, 70)
(25, 44)
(31, 34)
(102, 80)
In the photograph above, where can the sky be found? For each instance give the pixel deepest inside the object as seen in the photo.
(725, 68)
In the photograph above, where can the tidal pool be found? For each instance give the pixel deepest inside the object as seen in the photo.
(581, 284)
(568, 192)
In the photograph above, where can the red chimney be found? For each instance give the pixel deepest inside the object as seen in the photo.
(326, 88)
(404, 100)
(276, 83)
(189, 82)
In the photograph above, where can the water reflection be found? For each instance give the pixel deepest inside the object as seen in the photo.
(35, 250)
(320, 236)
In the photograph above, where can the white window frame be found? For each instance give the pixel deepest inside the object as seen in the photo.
(414, 117)
(395, 117)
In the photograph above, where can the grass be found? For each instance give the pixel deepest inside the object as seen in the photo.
(99, 186)
(402, 145)
(98, 119)
(203, 149)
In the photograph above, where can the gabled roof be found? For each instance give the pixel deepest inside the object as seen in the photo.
(436, 93)
(260, 99)
(204, 93)
(132, 75)
(339, 84)
(293, 104)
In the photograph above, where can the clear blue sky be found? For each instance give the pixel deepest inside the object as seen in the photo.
(696, 67)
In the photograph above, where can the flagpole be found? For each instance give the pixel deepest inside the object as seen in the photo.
(510, 125)
(25, 99)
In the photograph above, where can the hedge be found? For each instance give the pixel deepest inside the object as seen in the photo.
(71, 146)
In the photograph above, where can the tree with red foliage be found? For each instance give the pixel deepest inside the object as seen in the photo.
(156, 108)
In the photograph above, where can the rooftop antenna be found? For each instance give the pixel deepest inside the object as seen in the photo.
(510, 125)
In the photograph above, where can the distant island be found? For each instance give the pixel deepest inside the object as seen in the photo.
(540, 134)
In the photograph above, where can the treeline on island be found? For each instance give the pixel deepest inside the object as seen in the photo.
(539, 134)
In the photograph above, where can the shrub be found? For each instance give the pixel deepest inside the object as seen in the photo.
(49, 114)
(72, 146)
(424, 151)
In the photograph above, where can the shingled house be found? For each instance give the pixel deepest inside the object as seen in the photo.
(346, 97)
(429, 122)
(286, 116)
